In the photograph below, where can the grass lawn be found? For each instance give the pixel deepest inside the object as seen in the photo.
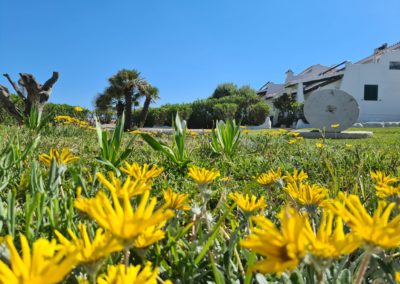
(205, 244)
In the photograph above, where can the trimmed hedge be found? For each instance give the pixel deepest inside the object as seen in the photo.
(246, 109)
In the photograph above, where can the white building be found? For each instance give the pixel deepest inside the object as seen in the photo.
(373, 81)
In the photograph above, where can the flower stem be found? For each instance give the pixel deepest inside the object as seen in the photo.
(320, 277)
(363, 267)
(126, 258)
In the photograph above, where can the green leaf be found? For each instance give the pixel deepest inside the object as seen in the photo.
(344, 277)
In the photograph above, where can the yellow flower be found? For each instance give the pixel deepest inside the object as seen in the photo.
(383, 184)
(296, 176)
(123, 221)
(145, 173)
(150, 236)
(62, 118)
(246, 203)
(225, 179)
(66, 157)
(336, 125)
(379, 178)
(306, 194)
(44, 264)
(269, 177)
(294, 134)
(82, 279)
(330, 241)
(320, 145)
(175, 200)
(375, 230)
(282, 248)
(78, 109)
(88, 250)
(387, 191)
(193, 133)
(136, 187)
(202, 176)
(292, 141)
(398, 277)
(349, 146)
(119, 274)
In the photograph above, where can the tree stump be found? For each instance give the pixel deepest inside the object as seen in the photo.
(37, 94)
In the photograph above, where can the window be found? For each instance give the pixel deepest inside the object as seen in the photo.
(371, 92)
(394, 65)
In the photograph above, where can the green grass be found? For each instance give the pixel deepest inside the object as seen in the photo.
(182, 256)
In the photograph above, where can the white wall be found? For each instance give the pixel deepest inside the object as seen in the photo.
(387, 107)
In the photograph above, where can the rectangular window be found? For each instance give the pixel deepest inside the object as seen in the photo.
(394, 65)
(371, 92)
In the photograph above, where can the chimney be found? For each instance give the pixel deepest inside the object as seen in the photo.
(289, 75)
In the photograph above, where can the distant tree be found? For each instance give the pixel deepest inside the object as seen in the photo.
(225, 111)
(122, 93)
(289, 109)
(246, 91)
(257, 113)
(29, 91)
(225, 90)
(151, 94)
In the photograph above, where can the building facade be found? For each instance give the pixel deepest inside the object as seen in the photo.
(373, 81)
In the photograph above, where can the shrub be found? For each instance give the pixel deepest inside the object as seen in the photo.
(170, 111)
(257, 113)
(53, 110)
(224, 90)
(202, 114)
(224, 111)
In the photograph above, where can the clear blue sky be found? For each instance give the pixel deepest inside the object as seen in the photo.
(185, 47)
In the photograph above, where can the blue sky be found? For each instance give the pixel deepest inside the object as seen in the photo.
(185, 47)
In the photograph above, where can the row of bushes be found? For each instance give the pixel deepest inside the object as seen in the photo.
(204, 113)
(50, 110)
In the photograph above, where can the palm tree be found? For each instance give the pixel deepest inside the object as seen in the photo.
(151, 95)
(122, 93)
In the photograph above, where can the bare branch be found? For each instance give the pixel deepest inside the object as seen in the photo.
(50, 82)
(10, 107)
(16, 88)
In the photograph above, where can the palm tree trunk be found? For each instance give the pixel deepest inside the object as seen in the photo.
(145, 111)
(128, 111)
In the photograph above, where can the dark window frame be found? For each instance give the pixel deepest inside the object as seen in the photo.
(394, 65)
(371, 92)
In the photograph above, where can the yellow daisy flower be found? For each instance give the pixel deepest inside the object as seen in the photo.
(282, 248)
(296, 176)
(42, 264)
(78, 109)
(132, 187)
(375, 230)
(202, 176)
(246, 203)
(119, 274)
(306, 194)
(380, 178)
(122, 220)
(150, 236)
(270, 177)
(142, 172)
(88, 250)
(175, 201)
(64, 158)
(330, 241)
